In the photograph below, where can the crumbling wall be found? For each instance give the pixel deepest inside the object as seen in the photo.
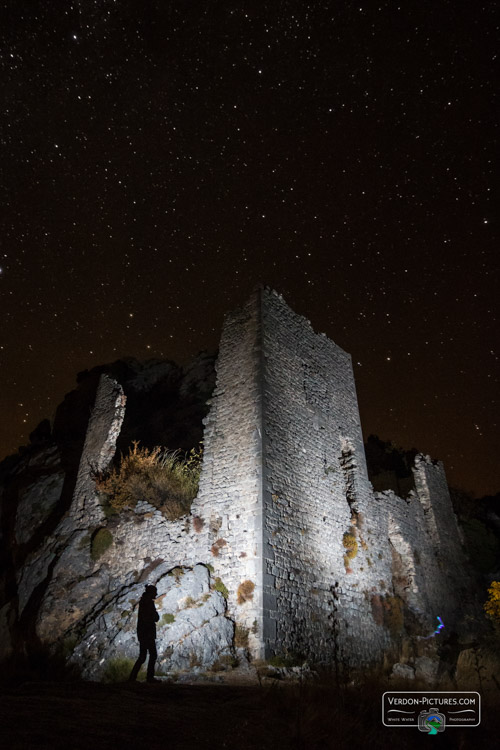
(311, 560)
(99, 448)
(316, 490)
(228, 509)
(286, 505)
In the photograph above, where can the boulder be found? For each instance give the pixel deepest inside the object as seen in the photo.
(404, 671)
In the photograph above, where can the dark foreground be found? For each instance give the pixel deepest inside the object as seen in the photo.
(74, 715)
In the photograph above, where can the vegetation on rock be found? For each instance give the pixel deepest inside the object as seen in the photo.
(351, 545)
(167, 619)
(176, 572)
(217, 546)
(492, 606)
(219, 586)
(118, 670)
(245, 591)
(241, 636)
(161, 478)
(288, 660)
(101, 541)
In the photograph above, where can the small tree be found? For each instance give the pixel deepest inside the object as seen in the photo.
(492, 605)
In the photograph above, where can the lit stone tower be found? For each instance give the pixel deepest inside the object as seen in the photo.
(283, 485)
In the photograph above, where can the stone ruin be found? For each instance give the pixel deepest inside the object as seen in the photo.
(308, 559)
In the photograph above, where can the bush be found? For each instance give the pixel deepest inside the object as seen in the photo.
(351, 545)
(288, 660)
(176, 572)
(167, 619)
(219, 586)
(245, 591)
(159, 477)
(101, 541)
(217, 546)
(118, 670)
(492, 606)
(224, 662)
(198, 524)
(241, 636)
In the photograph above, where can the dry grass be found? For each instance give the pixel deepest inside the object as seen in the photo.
(241, 636)
(351, 545)
(245, 591)
(198, 524)
(217, 546)
(161, 478)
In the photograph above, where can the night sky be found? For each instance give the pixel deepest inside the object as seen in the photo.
(160, 159)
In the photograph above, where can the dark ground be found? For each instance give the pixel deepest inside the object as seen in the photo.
(91, 716)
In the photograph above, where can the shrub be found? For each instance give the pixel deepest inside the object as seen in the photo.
(161, 478)
(224, 662)
(492, 606)
(288, 660)
(118, 670)
(219, 586)
(241, 636)
(100, 542)
(351, 545)
(245, 591)
(198, 524)
(167, 619)
(177, 572)
(189, 603)
(216, 546)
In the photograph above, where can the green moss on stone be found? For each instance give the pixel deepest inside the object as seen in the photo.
(101, 541)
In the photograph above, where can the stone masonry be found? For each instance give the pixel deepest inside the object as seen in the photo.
(284, 491)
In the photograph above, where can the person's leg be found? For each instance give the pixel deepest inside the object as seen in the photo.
(140, 661)
(152, 659)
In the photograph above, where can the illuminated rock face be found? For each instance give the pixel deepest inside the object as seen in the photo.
(311, 559)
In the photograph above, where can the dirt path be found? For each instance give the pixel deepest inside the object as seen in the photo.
(91, 716)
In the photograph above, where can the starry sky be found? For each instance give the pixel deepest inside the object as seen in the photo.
(161, 158)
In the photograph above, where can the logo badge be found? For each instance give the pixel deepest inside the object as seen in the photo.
(431, 722)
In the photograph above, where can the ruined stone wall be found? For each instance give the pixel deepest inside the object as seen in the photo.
(312, 560)
(315, 490)
(99, 448)
(229, 502)
(430, 528)
(284, 481)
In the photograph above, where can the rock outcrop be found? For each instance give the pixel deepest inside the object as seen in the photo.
(73, 577)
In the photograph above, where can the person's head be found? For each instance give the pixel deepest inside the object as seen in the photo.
(151, 592)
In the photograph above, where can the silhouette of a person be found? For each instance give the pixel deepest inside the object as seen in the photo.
(146, 633)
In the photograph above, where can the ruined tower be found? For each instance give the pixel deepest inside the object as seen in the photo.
(304, 546)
